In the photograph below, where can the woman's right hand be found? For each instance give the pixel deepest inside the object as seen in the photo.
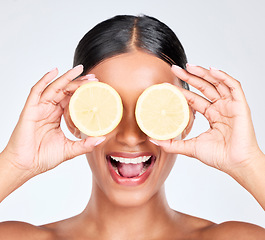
(38, 143)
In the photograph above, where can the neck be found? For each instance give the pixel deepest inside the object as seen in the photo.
(120, 221)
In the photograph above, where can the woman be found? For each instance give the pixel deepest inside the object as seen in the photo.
(130, 54)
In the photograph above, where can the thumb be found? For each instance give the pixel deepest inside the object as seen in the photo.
(184, 147)
(76, 148)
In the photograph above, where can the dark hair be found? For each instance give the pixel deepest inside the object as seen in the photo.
(124, 33)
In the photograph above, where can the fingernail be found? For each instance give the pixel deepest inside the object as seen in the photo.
(176, 67)
(91, 76)
(191, 65)
(92, 79)
(152, 141)
(53, 69)
(100, 141)
(78, 66)
(213, 68)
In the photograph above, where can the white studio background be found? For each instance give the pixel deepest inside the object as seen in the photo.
(37, 36)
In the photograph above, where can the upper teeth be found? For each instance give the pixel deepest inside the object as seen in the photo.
(132, 160)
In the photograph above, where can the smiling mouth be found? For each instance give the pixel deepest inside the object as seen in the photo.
(130, 170)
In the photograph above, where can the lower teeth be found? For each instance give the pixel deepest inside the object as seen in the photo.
(141, 173)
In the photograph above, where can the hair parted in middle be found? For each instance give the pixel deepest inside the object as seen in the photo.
(125, 33)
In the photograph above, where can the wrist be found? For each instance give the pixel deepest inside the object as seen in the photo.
(250, 167)
(7, 161)
(251, 176)
(11, 177)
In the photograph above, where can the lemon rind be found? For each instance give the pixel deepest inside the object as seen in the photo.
(84, 129)
(185, 109)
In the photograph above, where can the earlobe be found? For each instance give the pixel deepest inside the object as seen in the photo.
(70, 125)
(190, 124)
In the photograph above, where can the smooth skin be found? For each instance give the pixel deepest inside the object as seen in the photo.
(142, 211)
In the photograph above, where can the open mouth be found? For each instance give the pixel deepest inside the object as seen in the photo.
(130, 170)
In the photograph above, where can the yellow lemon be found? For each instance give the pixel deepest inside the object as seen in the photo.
(162, 111)
(95, 108)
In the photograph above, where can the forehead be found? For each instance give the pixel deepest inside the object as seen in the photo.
(134, 71)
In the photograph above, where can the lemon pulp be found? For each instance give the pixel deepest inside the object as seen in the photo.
(162, 111)
(95, 108)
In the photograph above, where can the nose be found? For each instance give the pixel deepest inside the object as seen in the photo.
(128, 131)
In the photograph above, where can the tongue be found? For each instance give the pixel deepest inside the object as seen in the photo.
(130, 170)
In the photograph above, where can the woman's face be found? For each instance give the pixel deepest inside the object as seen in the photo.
(130, 74)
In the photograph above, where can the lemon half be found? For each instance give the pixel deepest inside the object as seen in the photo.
(162, 111)
(96, 108)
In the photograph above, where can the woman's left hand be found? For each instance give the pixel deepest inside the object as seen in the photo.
(230, 143)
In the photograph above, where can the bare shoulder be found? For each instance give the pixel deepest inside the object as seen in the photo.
(191, 223)
(189, 227)
(198, 228)
(233, 230)
(13, 230)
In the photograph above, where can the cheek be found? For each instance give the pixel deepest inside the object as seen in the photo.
(95, 161)
(167, 162)
(171, 159)
(91, 158)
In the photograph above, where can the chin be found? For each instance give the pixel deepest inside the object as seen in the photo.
(130, 199)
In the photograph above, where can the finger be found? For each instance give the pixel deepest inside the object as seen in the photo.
(70, 88)
(88, 76)
(203, 86)
(196, 102)
(205, 74)
(184, 147)
(58, 85)
(39, 87)
(76, 148)
(233, 85)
